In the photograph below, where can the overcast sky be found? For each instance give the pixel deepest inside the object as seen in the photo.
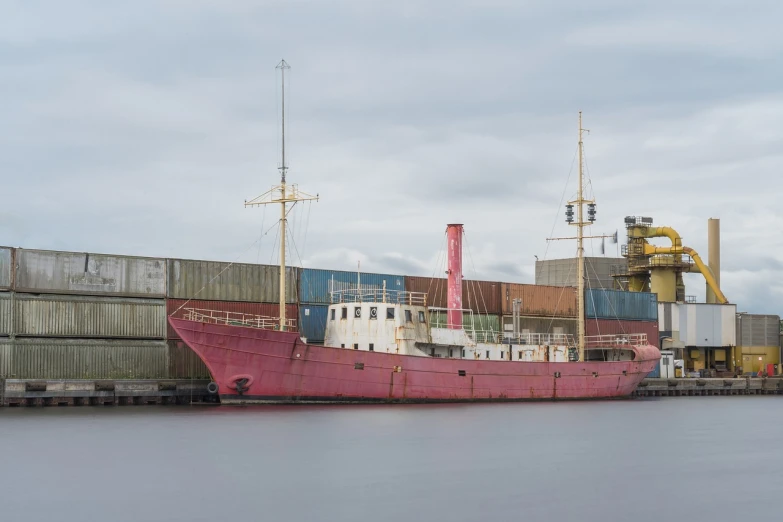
(141, 127)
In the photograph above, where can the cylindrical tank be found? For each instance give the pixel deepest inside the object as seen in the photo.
(713, 253)
(664, 283)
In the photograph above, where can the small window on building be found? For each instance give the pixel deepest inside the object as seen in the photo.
(356, 346)
(487, 354)
(333, 314)
(372, 347)
(451, 352)
(342, 346)
(502, 354)
(520, 355)
(408, 316)
(463, 353)
(421, 317)
(345, 313)
(357, 312)
(390, 313)
(373, 312)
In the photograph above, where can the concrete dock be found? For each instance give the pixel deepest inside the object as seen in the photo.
(22, 392)
(704, 387)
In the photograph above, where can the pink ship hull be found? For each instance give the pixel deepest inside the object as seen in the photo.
(273, 366)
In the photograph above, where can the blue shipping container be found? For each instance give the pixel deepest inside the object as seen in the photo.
(616, 304)
(312, 322)
(656, 373)
(315, 285)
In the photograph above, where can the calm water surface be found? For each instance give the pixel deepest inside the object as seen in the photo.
(713, 458)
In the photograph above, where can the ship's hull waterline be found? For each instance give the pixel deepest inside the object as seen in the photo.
(278, 367)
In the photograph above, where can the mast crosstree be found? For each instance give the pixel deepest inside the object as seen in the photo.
(282, 194)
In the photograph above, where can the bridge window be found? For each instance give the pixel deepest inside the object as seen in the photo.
(520, 355)
(355, 346)
(487, 354)
(451, 352)
(332, 314)
(342, 346)
(390, 313)
(345, 313)
(421, 317)
(408, 316)
(372, 347)
(502, 354)
(463, 353)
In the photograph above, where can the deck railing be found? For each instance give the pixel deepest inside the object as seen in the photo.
(615, 340)
(237, 319)
(379, 295)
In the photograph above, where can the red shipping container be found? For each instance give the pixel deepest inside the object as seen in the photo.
(618, 326)
(175, 307)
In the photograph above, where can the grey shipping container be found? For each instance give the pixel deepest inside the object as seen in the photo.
(5, 357)
(757, 330)
(184, 363)
(5, 313)
(89, 316)
(44, 271)
(87, 359)
(220, 281)
(6, 262)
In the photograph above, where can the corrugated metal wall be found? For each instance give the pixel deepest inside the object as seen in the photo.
(545, 301)
(312, 321)
(89, 274)
(315, 285)
(184, 363)
(87, 359)
(217, 281)
(757, 330)
(6, 262)
(5, 313)
(541, 324)
(615, 326)
(175, 308)
(617, 304)
(89, 316)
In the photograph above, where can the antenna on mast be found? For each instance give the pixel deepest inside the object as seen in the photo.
(282, 194)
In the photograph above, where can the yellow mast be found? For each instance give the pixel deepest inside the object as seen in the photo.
(282, 194)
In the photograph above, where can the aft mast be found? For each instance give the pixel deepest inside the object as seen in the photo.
(282, 194)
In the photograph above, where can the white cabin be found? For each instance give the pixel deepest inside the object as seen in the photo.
(400, 322)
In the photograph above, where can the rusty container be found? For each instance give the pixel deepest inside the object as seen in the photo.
(540, 300)
(478, 296)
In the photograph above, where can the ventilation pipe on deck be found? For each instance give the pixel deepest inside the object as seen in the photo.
(454, 297)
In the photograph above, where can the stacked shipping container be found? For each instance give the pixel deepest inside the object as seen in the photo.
(315, 294)
(81, 315)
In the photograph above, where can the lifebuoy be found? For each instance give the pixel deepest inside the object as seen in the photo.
(212, 388)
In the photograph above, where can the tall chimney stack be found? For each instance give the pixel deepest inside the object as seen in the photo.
(454, 297)
(713, 254)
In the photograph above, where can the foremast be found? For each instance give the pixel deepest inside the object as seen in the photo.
(282, 194)
(580, 201)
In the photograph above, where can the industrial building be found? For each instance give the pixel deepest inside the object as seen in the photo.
(599, 272)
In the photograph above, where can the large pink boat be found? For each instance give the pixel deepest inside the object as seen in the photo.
(390, 346)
